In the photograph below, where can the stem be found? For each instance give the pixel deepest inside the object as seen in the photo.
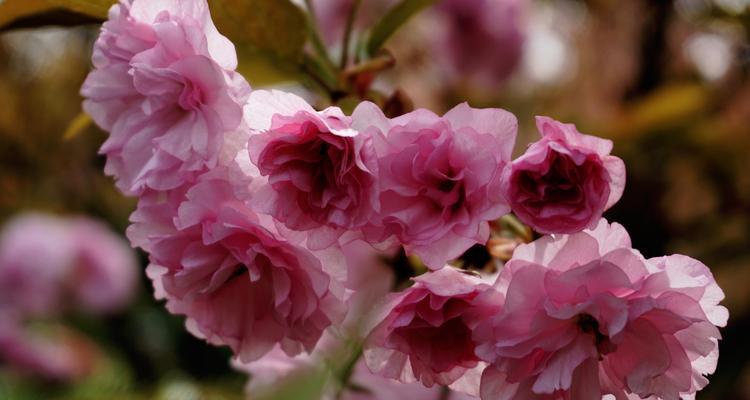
(445, 393)
(348, 369)
(317, 42)
(519, 229)
(317, 73)
(348, 33)
(382, 62)
(392, 22)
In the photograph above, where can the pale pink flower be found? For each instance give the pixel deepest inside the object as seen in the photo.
(164, 87)
(439, 177)
(565, 181)
(479, 40)
(586, 316)
(322, 175)
(276, 369)
(50, 265)
(238, 281)
(273, 368)
(426, 335)
(374, 387)
(370, 279)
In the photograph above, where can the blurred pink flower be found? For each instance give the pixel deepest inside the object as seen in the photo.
(238, 281)
(565, 181)
(480, 40)
(36, 256)
(321, 173)
(426, 336)
(106, 271)
(439, 177)
(57, 355)
(164, 87)
(585, 316)
(50, 265)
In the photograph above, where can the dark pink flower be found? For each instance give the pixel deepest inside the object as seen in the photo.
(565, 181)
(238, 281)
(164, 87)
(322, 175)
(427, 334)
(586, 316)
(439, 177)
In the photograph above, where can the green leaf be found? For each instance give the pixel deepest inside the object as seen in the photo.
(79, 124)
(274, 27)
(394, 19)
(269, 36)
(34, 13)
(94, 8)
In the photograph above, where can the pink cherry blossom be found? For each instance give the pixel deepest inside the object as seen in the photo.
(426, 336)
(565, 181)
(164, 87)
(238, 281)
(322, 175)
(439, 177)
(586, 316)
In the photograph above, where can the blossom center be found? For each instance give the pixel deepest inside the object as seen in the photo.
(590, 325)
(192, 97)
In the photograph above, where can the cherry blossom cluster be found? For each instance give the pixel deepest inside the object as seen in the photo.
(253, 207)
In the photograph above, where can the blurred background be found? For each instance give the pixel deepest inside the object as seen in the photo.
(667, 80)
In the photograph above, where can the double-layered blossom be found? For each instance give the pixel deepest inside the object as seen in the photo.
(565, 181)
(238, 281)
(50, 265)
(165, 89)
(586, 316)
(426, 335)
(439, 177)
(322, 175)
